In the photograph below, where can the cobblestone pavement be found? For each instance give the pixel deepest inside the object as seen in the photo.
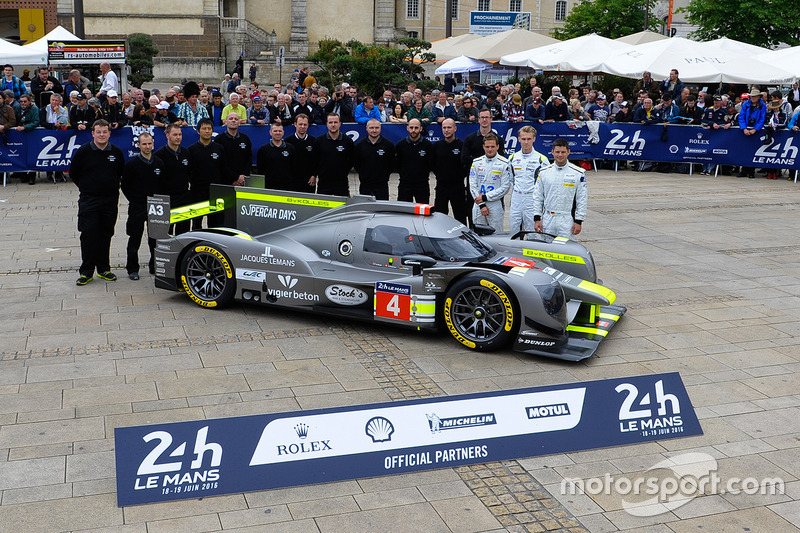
(708, 268)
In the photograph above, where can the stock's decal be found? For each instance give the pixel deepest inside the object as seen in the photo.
(224, 456)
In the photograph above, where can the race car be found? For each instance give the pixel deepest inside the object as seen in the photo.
(389, 262)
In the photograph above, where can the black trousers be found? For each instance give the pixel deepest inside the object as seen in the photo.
(420, 193)
(453, 196)
(134, 228)
(379, 191)
(96, 219)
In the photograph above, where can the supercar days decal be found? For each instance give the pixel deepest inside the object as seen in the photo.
(209, 457)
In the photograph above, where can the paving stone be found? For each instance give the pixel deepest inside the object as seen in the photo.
(63, 514)
(400, 519)
(52, 432)
(756, 519)
(189, 524)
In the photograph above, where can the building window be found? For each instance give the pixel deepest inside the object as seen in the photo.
(561, 9)
(515, 5)
(413, 34)
(484, 5)
(412, 9)
(453, 10)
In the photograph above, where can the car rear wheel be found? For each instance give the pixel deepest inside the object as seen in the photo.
(480, 312)
(207, 276)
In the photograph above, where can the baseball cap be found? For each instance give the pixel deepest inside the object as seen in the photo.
(162, 105)
(256, 98)
(744, 96)
(81, 96)
(537, 100)
(625, 104)
(112, 93)
(601, 96)
(717, 97)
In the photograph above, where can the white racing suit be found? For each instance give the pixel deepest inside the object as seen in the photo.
(557, 190)
(526, 168)
(492, 179)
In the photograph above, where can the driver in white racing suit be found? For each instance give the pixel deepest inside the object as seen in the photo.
(526, 165)
(489, 181)
(559, 187)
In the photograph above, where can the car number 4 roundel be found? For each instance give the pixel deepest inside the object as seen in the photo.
(393, 300)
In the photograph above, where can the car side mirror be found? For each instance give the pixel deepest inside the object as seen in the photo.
(417, 262)
(482, 229)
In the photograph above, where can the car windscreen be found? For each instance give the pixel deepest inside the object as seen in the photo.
(464, 247)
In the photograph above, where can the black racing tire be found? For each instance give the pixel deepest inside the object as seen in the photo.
(480, 312)
(207, 276)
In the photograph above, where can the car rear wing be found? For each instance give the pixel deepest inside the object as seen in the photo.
(249, 209)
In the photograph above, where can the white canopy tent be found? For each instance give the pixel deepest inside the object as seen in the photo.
(463, 64)
(493, 47)
(733, 45)
(696, 63)
(785, 58)
(449, 48)
(642, 37)
(59, 33)
(581, 54)
(14, 54)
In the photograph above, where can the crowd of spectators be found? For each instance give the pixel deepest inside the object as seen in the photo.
(70, 104)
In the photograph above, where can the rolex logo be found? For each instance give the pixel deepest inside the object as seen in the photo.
(301, 430)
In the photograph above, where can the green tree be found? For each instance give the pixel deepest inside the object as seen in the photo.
(140, 58)
(370, 67)
(608, 18)
(765, 23)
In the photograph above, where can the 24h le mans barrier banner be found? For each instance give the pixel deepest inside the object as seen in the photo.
(52, 150)
(224, 456)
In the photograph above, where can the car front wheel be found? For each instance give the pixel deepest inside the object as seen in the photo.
(207, 276)
(480, 312)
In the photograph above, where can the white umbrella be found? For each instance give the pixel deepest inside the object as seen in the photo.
(696, 63)
(493, 47)
(463, 64)
(449, 48)
(642, 37)
(785, 58)
(581, 54)
(736, 46)
(17, 55)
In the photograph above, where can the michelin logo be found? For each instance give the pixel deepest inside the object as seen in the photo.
(437, 425)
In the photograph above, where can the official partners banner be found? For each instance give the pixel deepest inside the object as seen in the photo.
(52, 150)
(223, 456)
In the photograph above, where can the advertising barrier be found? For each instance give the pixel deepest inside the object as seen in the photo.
(209, 457)
(52, 150)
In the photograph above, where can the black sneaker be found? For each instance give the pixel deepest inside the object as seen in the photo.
(83, 280)
(134, 276)
(108, 276)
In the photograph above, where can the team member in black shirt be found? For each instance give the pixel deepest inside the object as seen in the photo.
(414, 163)
(209, 164)
(276, 160)
(139, 180)
(450, 188)
(374, 161)
(335, 159)
(305, 174)
(177, 172)
(238, 148)
(96, 169)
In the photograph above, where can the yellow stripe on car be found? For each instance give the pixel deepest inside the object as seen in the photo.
(294, 200)
(583, 329)
(606, 293)
(554, 256)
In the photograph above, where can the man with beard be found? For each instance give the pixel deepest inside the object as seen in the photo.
(414, 164)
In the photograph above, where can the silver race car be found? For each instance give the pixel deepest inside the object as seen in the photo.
(390, 262)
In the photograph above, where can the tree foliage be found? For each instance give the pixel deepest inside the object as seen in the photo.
(140, 58)
(608, 18)
(765, 23)
(372, 68)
